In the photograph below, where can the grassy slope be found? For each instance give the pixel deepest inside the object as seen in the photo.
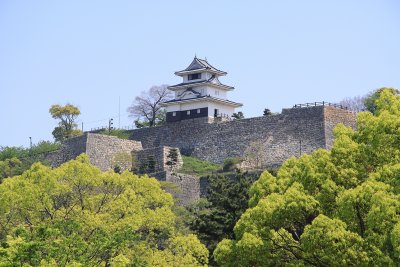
(198, 167)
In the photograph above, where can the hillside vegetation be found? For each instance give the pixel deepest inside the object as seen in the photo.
(75, 215)
(330, 208)
(195, 166)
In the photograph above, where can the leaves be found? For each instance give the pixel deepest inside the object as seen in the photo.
(67, 126)
(337, 208)
(77, 214)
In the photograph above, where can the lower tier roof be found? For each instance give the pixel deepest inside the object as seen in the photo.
(206, 98)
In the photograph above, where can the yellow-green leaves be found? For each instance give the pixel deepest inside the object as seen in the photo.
(76, 214)
(326, 242)
(9, 167)
(337, 208)
(66, 116)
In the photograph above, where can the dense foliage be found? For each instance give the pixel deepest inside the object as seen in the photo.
(76, 215)
(330, 208)
(214, 216)
(16, 160)
(369, 100)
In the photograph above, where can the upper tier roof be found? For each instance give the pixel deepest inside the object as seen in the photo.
(213, 81)
(200, 65)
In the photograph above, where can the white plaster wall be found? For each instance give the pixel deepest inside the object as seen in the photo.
(186, 106)
(172, 108)
(212, 92)
(194, 105)
(222, 109)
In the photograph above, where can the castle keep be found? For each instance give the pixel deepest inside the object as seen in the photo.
(198, 124)
(200, 95)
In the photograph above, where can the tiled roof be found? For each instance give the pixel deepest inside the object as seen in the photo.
(206, 97)
(201, 64)
(213, 81)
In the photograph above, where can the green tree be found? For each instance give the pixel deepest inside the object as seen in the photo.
(9, 167)
(231, 164)
(370, 99)
(214, 216)
(16, 160)
(267, 112)
(237, 116)
(66, 127)
(329, 208)
(76, 215)
(172, 157)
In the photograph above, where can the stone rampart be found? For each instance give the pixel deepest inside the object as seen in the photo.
(189, 187)
(156, 159)
(106, 151)
(274, 138)
(101, 149)
(70, 149)
(291, 133)
(333, 117)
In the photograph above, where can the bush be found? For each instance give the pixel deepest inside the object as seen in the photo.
(230, 164)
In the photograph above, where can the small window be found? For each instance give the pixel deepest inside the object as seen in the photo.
(174, 114)
(188, 112)
(216, 92)
(194, 76)
(198, 111)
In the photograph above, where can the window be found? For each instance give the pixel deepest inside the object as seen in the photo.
(216, 92)
(198, 111)
(173, 114)
(188, 112)
(194, 76)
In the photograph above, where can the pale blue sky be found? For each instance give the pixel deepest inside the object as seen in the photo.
(276, 53)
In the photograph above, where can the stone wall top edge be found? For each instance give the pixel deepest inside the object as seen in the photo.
(110, 137)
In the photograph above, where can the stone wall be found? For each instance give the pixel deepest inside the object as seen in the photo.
(276, 137)
(70, 149)
(294, 132)
(157, 156)
(189, 187)
(106, 151)
(332, 117)
(101, 149)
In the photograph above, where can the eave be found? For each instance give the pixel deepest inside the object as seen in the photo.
(192, 84)
(186, 72)
(201, 99)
